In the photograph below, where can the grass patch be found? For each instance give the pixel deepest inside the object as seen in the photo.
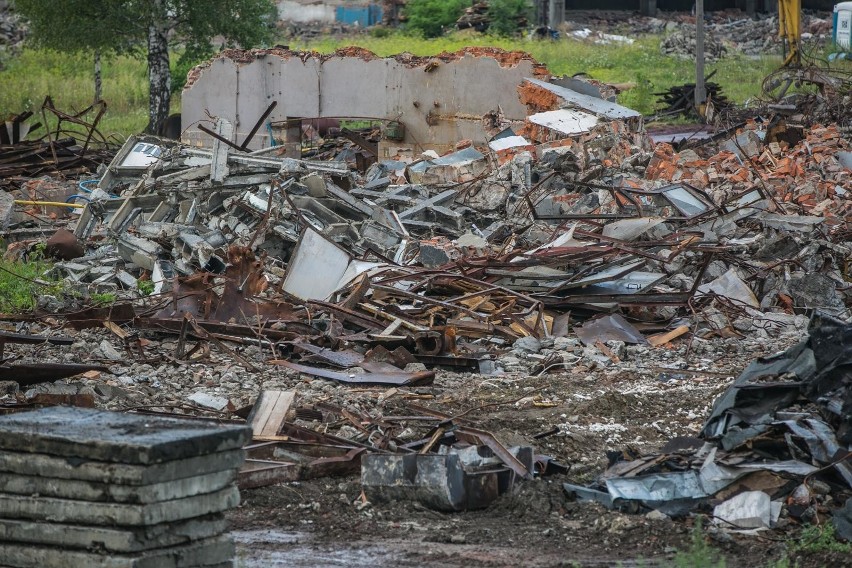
(640, 63)
(102, 299)
(699, 554)
(820, 539)
(22, 282)
(69, 79)
(146, 287)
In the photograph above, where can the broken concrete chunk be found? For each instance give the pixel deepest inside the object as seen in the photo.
(748, 510)
(109, 351)
(208, 400)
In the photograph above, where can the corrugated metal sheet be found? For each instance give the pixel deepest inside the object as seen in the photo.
(566, 121)
(591, 104)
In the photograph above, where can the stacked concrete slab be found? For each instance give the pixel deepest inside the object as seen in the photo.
(84, 487)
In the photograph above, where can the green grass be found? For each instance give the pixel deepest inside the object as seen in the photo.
(102, 299)
(640, 63)
(69, 80)
(32, 75)
(20, 287)
(818, 539)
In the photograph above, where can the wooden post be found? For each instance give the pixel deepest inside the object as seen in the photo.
(700, 89)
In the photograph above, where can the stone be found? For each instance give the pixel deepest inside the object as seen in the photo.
(208, 400)
(529, 344)
(815, 291)
(89, 434)
(210, 553)
(565, 343)
(113, 492)
(37, 508)
(656, 515)
(109, 351)
(113, 539)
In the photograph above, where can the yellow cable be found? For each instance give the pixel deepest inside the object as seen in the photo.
(49, 203)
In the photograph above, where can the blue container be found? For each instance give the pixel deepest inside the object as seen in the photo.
(366, 15)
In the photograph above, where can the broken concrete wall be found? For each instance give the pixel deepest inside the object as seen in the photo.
(438, 100)
(302, 11)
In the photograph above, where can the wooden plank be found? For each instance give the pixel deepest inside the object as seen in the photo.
(663, 338)
(270, 412)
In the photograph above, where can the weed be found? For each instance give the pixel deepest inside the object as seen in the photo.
(103, 299)
(700, 554)
(146, 287)
(818, 539)
(21, 283)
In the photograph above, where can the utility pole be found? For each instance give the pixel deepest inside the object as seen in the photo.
(700, 89)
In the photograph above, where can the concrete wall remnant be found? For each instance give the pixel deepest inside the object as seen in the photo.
(439, 100)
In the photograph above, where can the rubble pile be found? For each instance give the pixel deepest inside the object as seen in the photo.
(12, 31)
(726, 31)
(776, 446)
(681, 43)
(59, 152)
(807, 177)
(476, 17)
(337, 295)
(96, 488)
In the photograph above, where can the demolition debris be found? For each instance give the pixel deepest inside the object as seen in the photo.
(336, 282)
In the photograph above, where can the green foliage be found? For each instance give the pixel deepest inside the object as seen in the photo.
(505, 15)
(102, 299)
(146, 287)
(32, 75)
(144, 27)
(22, 282)
(432, 18)
(818, 539)
(381, 31)
(122, 25)
(74, 26)
(700, 554)
(188, 59)
(640, 62)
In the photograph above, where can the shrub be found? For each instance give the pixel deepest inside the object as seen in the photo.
(507, 15)
(432, 17)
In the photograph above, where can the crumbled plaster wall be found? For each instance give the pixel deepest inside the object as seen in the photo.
(440, 99)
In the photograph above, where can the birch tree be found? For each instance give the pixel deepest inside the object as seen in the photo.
(148, 28)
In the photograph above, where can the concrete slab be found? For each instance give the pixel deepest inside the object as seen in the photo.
(209, 553)
(120, 474)
(115, 493)
(111, 514)
(116, 436)
(120, 540)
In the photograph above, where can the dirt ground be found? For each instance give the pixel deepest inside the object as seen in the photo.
(326, 522)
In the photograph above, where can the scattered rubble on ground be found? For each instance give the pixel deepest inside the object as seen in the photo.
(12, 31)
(381, 315)
(727, 32)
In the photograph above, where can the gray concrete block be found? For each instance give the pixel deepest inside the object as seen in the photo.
(112, 539)
(121, 437)
(115, 493)
(209, 553)
(112, 514)
(122, 474)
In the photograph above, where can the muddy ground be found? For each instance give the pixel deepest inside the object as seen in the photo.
(593, 406)
(326, 522)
